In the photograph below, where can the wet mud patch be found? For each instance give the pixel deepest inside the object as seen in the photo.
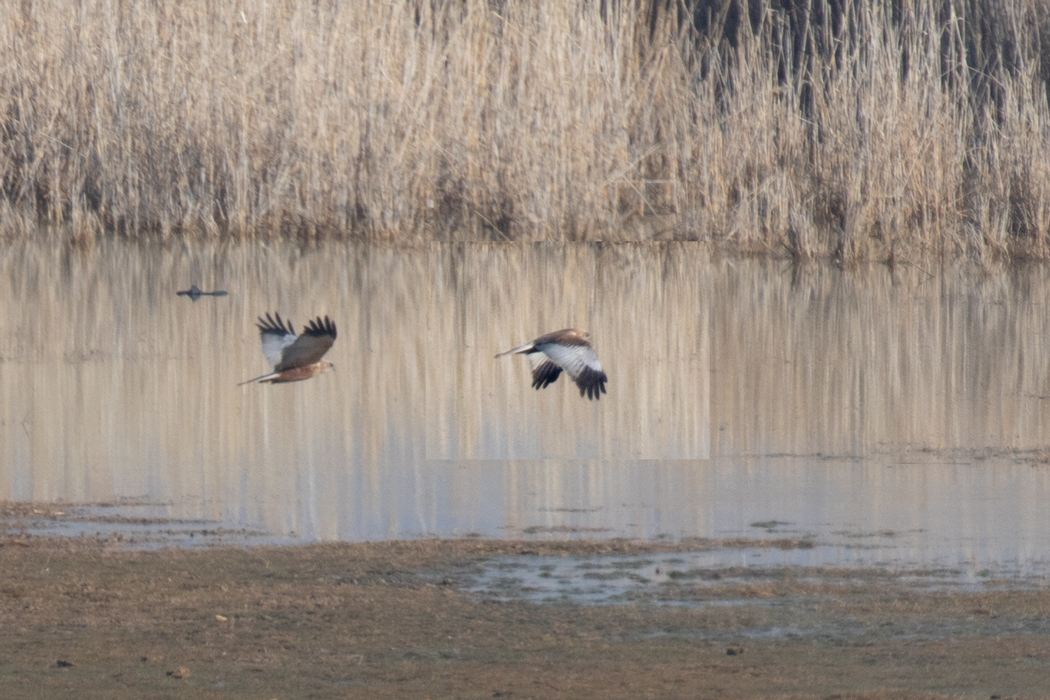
(124, 524)
(726, 572)
(403, 619)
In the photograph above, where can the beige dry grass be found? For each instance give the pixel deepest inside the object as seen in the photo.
(873, 133)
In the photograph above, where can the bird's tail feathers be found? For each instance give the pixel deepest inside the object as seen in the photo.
(263, 378)
(527, 347)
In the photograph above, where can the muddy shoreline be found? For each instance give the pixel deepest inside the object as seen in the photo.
(87, 616)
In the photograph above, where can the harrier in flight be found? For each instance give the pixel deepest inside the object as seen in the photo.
(294, 358)
(567, 350)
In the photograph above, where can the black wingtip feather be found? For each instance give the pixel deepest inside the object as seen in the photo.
(321, 327)
(592, 384)
(545, 375)
(269, 325)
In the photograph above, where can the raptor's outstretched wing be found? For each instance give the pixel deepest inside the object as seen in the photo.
(276, 336)
(581, 363)
(286, 351)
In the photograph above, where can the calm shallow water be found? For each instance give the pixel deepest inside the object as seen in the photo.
(898, 413)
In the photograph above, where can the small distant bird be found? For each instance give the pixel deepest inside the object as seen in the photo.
(194, 293)
(294, 358)
(569, 350)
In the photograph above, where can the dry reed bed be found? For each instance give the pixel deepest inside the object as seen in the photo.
(421, 120)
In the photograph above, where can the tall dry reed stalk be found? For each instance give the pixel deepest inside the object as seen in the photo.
(879, 131)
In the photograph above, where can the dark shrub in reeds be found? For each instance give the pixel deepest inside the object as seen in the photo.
(849, 129)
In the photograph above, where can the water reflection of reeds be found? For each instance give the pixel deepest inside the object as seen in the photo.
(114, 386)
(739, 391)
(820, 360)
(644, 306)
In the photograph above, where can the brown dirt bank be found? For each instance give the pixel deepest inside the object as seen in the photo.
(380, 620)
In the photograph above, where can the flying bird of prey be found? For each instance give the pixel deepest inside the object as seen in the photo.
(294, 358)
(194, 293)
(566, 350)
